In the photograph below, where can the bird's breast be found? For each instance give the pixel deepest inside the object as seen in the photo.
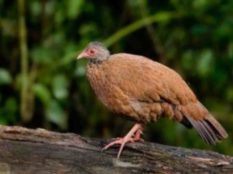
(98, 81)
(104, 89)
(109, 93)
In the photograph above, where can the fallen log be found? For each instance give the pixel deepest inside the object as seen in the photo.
(27, 151)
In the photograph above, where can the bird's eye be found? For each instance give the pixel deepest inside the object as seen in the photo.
(91, 51)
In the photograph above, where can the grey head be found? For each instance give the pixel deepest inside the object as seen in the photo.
(95, 51)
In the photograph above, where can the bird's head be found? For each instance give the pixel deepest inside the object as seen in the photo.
(95, 51)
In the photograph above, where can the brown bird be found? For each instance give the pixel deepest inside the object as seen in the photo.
(144, 90)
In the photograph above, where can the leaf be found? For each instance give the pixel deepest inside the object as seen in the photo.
(230, 50)
(80, 70)
(35, 8)
(200, 4)
(188, 59)
(60, 84)
(11, 108)
(8, 111)
(229, 94)
(205, 62)
(42, 92)
(41, 55)
(5, 77)
(55, 114)
(74, 8)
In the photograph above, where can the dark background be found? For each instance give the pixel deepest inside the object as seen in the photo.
(42, 84)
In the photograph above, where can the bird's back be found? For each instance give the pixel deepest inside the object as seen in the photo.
(146, 75)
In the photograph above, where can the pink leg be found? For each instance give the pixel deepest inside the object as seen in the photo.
(133, 135)
(137, 136)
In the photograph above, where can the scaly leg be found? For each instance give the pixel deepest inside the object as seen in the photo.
(133, 135)
(137, 136)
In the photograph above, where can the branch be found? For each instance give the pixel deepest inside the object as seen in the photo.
(158, 17)
(25, 97)
(24, 151)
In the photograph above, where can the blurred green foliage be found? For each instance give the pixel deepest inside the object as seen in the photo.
(193, 37)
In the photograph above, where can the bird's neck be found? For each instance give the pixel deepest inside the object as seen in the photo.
(95, 61)
(98, 61)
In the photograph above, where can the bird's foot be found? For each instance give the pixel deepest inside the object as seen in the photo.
(133, 135)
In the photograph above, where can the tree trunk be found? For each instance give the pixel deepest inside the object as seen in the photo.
(28, 151)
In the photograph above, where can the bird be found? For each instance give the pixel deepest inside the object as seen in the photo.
(142, 90)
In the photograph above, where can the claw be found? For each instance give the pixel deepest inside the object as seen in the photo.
(133, 135)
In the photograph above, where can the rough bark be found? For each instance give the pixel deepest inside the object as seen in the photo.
(25, 151)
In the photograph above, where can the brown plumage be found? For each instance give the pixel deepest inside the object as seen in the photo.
(144, 90)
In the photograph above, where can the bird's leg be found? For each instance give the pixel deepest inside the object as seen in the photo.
(137, 136)
(132, 136)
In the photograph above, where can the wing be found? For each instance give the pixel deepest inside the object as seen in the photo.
(145, 80)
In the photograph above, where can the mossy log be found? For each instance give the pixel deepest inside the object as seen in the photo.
(27, 151)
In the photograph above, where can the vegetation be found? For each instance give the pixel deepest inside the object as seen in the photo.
(42, 84)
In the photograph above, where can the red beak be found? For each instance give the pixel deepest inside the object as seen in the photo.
(82, 55)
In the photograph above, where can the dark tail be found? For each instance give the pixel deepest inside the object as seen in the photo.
(205, 124)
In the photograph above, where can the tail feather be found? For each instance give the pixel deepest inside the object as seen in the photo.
(205, 124)
(215, 125)
(214, 138)
(209, 133)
